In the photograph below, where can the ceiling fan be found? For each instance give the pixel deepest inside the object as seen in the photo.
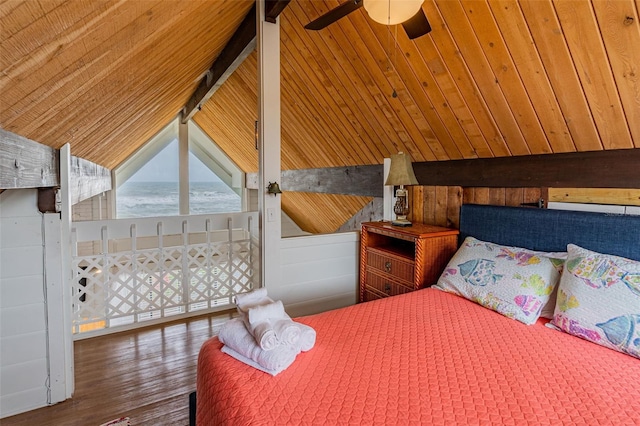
(388, 12)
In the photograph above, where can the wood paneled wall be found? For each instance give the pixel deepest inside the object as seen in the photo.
(440, 205)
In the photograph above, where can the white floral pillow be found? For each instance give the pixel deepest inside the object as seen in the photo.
(599, 300)
(513, 281)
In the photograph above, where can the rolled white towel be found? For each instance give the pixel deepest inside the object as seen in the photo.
(263, 333)
(269, 311)
(307, 338)
(234, 334)
(287, 331)
(251, 298)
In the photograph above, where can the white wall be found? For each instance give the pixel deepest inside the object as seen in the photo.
(94, 208)
(599, 208)
(319, 273)
(23, 339)
(289, 227)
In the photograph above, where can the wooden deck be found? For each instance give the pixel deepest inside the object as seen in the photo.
(145, 374)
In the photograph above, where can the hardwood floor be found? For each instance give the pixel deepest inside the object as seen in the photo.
(146, 374)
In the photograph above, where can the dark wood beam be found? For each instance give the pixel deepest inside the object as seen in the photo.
(241, 44)
(597, 169)
(349, 180)
(47, 202)
(273, 8)
(26, 164)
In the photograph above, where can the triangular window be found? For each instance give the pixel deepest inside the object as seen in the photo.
(147, 184)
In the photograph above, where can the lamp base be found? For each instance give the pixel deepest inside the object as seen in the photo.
(400, 222)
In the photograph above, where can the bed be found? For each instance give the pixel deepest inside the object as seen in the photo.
(432, 357)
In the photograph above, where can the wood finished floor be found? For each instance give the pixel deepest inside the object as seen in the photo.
(145, 375)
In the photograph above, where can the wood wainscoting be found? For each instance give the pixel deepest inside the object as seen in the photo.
(440, 205)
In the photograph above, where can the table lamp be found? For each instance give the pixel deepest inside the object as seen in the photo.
(401, 174)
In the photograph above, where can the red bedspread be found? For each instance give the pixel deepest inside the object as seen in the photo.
(426, 357)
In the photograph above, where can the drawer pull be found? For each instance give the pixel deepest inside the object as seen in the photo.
(387, 266)
(387, 288)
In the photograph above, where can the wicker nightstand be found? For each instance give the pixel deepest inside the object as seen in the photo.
(396, 260)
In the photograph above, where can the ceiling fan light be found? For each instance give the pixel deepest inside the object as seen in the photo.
(392, 12)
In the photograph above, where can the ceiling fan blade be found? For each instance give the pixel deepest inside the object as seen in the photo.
(417, 25)
(334, 14)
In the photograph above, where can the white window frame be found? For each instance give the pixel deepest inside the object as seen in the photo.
(200, 145)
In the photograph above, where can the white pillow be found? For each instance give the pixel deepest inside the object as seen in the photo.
(513, 281)
(599, 299)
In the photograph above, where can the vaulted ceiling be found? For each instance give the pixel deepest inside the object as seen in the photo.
(493, 79)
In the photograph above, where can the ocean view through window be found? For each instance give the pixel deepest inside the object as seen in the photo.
(154, 190)
(145, 199)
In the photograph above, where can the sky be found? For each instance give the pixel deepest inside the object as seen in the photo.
(164, 168)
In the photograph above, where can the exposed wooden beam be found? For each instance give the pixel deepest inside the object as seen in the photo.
(25, 163)
(350, 180)
(273, 8)
(241, 44)
(597, 169)
(87, 179)
(28, 164)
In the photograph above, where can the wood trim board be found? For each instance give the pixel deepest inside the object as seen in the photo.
(618, 196)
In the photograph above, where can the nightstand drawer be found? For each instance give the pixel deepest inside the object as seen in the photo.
(384, 286)
(398, 266)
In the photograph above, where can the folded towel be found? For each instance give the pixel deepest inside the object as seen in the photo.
(227, 350)
(307, 338)
(269, 311)
(263, 333)
(234, 334)
(251, 298)
(244, 310)
(287, 331)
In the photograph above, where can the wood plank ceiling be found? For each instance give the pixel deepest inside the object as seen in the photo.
(105, 75)
(494, 78)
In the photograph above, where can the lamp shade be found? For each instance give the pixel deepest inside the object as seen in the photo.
(392, 12)
(401, 171)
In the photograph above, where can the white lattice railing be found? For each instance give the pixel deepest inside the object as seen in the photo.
(131, 271)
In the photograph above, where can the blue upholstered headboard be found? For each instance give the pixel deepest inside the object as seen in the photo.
(552, 230)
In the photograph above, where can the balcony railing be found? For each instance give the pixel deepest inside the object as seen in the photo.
(131, 272)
